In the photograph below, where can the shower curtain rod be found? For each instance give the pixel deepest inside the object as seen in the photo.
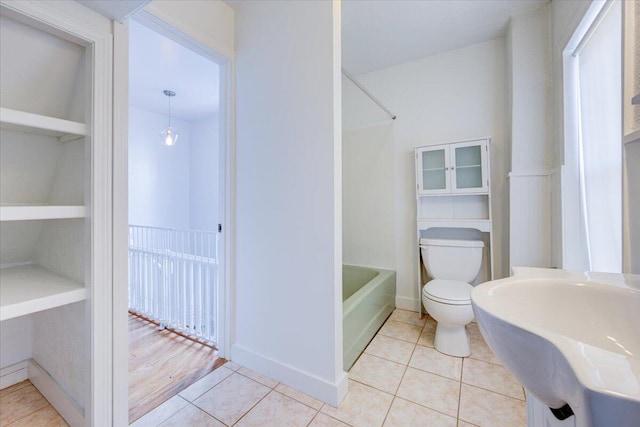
(366, 92)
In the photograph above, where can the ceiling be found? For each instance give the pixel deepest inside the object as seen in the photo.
(382, 33)
(157, 63)
(115, 9)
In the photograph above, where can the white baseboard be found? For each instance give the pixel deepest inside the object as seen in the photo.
(331, 393)
(46, 385)
(14, 374)
(405, 303)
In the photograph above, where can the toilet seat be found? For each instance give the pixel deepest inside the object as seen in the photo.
(451, 292)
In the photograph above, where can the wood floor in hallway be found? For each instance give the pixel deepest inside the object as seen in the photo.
(162, 364)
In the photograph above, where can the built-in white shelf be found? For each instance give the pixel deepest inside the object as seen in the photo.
(26, 213)
(65, 130)
(28, 289)
(461, 195)
(632, 137)
(484, 225)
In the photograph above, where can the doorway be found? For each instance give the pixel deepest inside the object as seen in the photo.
(176, 204)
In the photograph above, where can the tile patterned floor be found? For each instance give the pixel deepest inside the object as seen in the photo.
(400, 380)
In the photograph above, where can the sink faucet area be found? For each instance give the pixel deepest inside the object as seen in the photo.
(571, 338)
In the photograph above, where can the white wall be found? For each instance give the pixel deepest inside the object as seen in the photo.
(288, 294)
(208, 22)
(530, 100)
(368, 181)
(204, 171)
(530, 91)
(158, 175)
(59, 346)
(15, 340)
(452, 96)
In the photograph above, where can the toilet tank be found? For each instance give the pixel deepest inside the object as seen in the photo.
(452, 259)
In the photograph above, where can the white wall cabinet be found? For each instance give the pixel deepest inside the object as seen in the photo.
(456, 168)
(55, 206)
(453, 196)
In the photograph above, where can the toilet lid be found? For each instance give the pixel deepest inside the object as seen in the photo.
(448, 291)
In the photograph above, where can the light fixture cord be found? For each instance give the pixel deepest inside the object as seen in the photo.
(169, 111)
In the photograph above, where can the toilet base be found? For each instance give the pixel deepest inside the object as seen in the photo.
(453, 341)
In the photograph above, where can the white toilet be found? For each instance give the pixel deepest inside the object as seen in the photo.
(453, 264)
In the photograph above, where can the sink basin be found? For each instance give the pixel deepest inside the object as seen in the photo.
(569, 338)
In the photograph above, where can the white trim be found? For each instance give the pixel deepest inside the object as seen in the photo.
(603, 8)
(227, 140)
(81, 25)
(338, 327)
(100, 276)
(406, 303)
(55, 394)
(14, 374)
(159, 25)
(168, 22)
(332, 393)
(541, 172)
(120, 223)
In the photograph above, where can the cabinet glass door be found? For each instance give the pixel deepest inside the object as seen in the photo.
(468, 168)
(434, 170)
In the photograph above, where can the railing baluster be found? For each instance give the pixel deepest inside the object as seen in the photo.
(173, 278)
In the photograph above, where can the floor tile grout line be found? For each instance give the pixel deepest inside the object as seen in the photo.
(211, 415)
(246, 376)
(313, 418)
(251, 408)
(220, 421)
(384, 358)
(297, 400)
(433, 373)
(423, 406)
(208, 390)
(495, 392)
(170, 415)
(373, 387)
(399, 339)
(460, 393)
(386, 415)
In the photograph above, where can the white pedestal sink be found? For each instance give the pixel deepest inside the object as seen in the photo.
(570, 338)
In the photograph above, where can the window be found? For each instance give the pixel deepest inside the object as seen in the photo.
(593, 147)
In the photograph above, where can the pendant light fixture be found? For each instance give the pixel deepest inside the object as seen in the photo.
(169, 134)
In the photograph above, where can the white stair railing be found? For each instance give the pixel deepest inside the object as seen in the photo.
(173, 278)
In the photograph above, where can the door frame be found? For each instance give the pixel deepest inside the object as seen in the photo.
(120, 199)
